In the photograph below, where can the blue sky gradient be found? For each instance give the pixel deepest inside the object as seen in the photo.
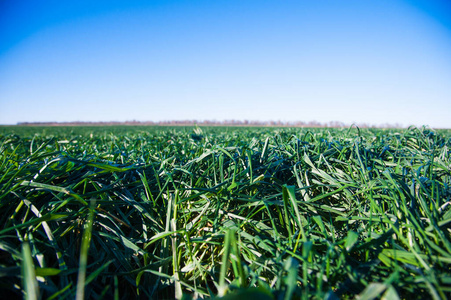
(369, 62)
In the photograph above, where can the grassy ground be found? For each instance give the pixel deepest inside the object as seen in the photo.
(239, 213)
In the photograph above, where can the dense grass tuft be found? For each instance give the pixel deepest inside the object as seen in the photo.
(143, 212)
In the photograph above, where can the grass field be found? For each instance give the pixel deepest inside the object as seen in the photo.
(239, 213)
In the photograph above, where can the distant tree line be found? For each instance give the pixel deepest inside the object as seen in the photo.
(250, 123)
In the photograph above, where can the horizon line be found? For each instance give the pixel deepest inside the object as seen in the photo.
(231, 123)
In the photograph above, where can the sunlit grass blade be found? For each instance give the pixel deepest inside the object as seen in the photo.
(85, 243)
(30, 284)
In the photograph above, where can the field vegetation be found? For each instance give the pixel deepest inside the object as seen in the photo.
(238, 213)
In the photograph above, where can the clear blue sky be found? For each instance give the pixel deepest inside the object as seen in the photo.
(384, 61)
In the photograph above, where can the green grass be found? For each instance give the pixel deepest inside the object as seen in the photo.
(164, 212)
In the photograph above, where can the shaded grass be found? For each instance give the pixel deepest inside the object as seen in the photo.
(287, 213)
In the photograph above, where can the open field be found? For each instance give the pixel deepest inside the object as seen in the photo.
(164, 212)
